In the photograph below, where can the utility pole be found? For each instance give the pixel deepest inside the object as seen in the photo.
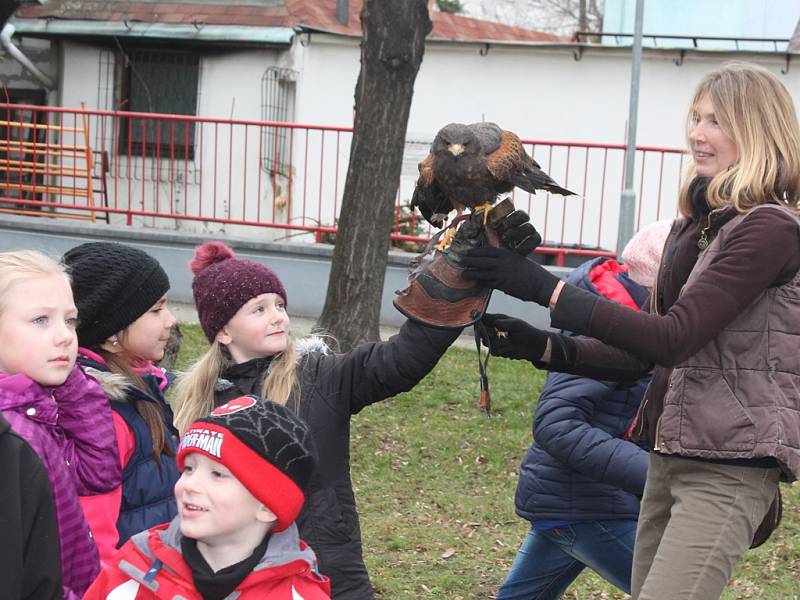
(627, 203)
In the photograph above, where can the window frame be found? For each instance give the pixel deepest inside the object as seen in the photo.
(182, 147)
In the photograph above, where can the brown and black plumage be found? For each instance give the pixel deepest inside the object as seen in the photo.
(470, 165)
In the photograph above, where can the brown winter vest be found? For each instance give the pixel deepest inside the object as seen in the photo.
(739, 396)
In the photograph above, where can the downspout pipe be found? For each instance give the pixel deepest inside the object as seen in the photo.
(16, 53)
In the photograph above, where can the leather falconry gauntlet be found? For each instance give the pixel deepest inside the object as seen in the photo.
(437, 295)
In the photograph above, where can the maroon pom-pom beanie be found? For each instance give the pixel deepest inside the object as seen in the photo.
(223, 284)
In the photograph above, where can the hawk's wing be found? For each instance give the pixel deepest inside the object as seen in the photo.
(428, 196)
(509, 159)
(511, 164)
(489, 135)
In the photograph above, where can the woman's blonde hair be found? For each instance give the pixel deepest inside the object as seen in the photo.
(755, 110)
(23, 265)
(194, 390)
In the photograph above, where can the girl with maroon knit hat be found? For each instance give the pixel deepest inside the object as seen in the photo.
(241, 305)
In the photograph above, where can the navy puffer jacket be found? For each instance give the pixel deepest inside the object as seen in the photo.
(579, 468)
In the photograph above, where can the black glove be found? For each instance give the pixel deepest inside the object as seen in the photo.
(516, 232)
(513, 338)
(505, 270)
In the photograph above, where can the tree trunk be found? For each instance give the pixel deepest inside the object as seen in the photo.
(391, 52)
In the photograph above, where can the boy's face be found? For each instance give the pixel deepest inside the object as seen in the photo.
(215, 508)
(38, 320)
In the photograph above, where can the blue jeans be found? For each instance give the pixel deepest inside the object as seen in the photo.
(549, 561)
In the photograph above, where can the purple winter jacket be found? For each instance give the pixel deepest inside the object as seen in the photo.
(71, 428)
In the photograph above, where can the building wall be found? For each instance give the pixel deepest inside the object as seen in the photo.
(540, 92)
(304, 269)
(14, 76)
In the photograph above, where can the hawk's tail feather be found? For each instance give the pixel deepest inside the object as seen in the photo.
(532, 180)
(557, 189)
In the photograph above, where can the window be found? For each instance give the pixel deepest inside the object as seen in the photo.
(277, 104)
(159, 81)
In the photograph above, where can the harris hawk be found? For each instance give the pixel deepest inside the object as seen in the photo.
(470, 166)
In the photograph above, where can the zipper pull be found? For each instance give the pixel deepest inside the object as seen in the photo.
(702, 243)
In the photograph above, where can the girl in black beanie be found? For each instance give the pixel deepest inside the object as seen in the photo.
(124, 325)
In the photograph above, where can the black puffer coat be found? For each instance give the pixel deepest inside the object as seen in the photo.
(30, 562)
(332, 388)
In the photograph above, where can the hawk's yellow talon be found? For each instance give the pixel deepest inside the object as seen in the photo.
(485, 208)
(446, 240)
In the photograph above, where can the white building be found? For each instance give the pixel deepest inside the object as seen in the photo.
(293, 61)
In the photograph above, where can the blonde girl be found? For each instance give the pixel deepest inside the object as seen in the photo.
(49, 401)
(241, 305)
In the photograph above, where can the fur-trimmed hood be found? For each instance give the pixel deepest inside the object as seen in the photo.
(115, 385)
(256, 367)
(121, 388)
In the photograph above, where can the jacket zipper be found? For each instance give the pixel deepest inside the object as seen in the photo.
(639, 429)
(702, 244)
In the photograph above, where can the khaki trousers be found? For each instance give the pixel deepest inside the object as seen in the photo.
(697, 518)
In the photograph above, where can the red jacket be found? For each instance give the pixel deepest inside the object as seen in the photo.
(150, 566)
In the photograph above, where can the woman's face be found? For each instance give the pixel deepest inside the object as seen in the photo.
(713, 151)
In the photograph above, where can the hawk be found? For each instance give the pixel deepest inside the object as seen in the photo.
(470, 166)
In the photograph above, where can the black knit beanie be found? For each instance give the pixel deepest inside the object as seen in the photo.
(113, 285)
(266, 447)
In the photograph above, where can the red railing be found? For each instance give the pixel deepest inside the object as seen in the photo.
(230, 176)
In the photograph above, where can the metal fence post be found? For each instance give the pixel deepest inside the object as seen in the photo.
(627, 203)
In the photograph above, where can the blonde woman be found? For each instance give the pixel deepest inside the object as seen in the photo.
(722, 414)
(241, 305)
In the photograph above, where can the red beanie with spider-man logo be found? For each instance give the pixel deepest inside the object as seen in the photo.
(264, 445)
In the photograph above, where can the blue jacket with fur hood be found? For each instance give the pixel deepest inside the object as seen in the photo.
(579, 468)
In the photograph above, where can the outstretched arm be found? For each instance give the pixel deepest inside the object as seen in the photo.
(510, 337)
(375, 371)
(754, 256)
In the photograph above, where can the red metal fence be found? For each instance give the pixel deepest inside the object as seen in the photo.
(281, 180)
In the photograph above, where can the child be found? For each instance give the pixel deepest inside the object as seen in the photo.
(29, 563)
(580, 481)
(52, 404)
(241, 305)
(121, 294)
(245, 470)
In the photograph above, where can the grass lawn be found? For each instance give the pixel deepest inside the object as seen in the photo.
(435, 483)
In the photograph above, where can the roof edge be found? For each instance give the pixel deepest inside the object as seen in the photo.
(139, 29)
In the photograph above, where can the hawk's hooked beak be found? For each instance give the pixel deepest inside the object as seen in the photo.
(456, 149)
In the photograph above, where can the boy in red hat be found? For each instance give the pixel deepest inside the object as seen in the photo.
(244, 471)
